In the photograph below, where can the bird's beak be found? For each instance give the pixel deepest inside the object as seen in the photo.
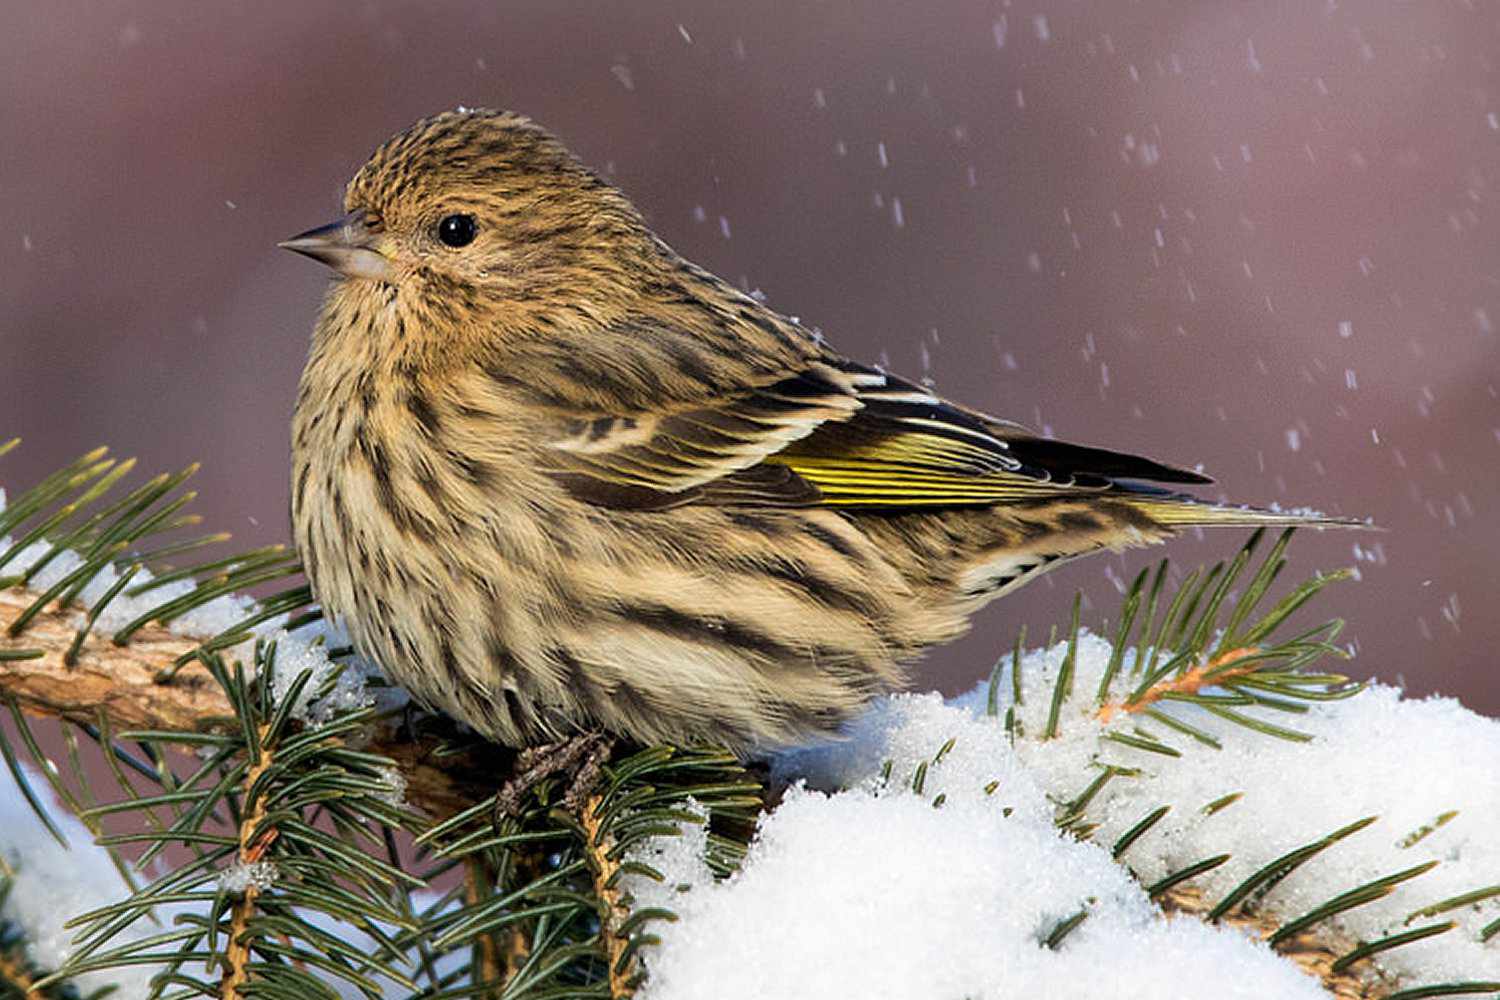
(347, 246)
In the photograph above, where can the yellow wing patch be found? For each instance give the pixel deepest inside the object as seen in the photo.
(911, 469)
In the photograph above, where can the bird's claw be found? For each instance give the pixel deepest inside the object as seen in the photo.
(583, 754)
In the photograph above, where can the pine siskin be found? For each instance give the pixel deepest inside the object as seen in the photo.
(557, 479)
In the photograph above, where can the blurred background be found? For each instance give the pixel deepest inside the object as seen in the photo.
(1257, 236)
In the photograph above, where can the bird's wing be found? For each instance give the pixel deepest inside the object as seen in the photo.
(711, 452)
(836, 434)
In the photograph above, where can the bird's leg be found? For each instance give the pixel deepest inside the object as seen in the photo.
(582, 754)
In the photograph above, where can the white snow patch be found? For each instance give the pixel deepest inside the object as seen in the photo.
(53, 884)
(395, 781)
(305, 651)
(877, 891)
(874, 890)
(241, 875)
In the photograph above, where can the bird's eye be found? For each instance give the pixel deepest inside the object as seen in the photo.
(457, 230)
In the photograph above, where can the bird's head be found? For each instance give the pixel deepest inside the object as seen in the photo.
(475, 212)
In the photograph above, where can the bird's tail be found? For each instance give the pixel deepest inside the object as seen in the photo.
(1176, 510)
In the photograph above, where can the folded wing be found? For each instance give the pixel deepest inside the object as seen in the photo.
(835, 434)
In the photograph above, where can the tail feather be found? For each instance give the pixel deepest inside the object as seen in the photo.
(1179, 511)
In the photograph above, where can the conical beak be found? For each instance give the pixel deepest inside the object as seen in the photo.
(347, 246)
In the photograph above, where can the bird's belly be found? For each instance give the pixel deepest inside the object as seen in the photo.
(425, 589)
(528, 619)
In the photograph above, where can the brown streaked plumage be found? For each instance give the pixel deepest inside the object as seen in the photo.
(556, 478)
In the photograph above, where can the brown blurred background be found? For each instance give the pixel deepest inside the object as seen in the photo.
(1257, 236)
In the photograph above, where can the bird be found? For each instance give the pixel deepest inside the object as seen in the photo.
(559, 481)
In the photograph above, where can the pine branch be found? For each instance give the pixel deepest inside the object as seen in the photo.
(614, 910)
(253, 844)
(121, 682)
(487, 961)
(1223, 668)
(1195, 658)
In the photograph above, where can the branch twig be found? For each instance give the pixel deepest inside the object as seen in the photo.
(613, 910)
(13, 974)
(252, 849)
(1216, 671)
(476, 889)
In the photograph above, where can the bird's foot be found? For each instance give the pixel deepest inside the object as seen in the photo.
(583, 755)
